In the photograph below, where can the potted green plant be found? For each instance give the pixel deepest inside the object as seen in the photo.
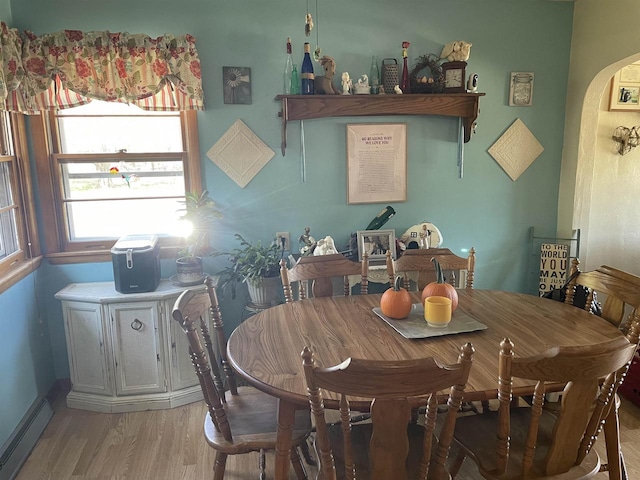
(258, 266)
(200, 212)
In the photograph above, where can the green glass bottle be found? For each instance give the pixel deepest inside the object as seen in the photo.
(374, 76)
(381, 218)
(295, 81)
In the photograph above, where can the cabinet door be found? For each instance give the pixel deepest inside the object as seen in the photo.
(138, 355)
(183, 374)
(86, 347)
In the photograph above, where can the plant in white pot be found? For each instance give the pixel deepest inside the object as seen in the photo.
(259, 267)
(200, 213)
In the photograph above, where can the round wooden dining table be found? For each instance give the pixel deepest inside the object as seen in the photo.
(265, 349)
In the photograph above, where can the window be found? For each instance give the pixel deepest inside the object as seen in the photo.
(117, 170)
(16, 209)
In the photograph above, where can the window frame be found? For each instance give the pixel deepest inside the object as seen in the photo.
(59, 249)
(28, 257)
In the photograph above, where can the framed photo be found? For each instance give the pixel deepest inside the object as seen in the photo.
(376, 162)
(376, 243)
(625, 89)
(521, 89)
(236, 85)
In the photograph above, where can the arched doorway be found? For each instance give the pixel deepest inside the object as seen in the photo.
(607, 194)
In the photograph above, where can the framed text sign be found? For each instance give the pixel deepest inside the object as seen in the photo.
(554, 265)
(376, 162)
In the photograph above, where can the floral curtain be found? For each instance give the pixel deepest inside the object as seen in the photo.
(70, 67)
(11, 71)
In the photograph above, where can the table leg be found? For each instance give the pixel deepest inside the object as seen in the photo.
(286, 417)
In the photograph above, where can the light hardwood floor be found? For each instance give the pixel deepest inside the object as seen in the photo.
(169, 445)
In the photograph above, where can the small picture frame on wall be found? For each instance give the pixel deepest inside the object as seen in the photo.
(625, 89)
(236, 85)
(376, 243)
(521, 89)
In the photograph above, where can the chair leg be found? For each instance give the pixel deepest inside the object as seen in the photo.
(301, 474)
(456, 464)
(623, 467)
(219, 466)
(304, 448)
(612, 442)
(262, 465)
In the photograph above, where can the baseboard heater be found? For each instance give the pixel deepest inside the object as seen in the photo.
(16, 449)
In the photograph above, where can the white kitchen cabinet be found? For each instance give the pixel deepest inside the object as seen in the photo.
(137, 348)
(126, 353)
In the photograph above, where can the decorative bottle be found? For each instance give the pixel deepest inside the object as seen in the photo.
(382, 218)
(306, 72)
(405, 85)
(374, 76)
(288, 68)
(295, 81)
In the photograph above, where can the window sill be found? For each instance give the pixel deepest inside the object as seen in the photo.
(18, 272)
(64, 258)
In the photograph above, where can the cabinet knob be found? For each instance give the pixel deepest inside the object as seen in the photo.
(136, 324)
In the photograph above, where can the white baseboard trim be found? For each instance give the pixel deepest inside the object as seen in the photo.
(133, 403)
(18, 446)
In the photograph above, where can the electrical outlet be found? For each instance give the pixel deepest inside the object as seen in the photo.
(287, 240)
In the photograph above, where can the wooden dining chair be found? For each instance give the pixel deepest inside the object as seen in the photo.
(419, 260)
(244, 419)
(534, 443)
(621, 293)
(390, 447)
(620, 290)
(313, 275)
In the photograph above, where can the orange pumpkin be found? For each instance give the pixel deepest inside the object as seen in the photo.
(440, 288)
(396, 302)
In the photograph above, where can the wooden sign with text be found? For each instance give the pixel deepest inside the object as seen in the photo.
(554, 265)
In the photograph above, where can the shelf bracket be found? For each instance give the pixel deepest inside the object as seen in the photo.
(284, 115)
(461, 134)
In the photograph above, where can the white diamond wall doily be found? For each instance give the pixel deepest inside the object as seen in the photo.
(240, 153)
(516, 149)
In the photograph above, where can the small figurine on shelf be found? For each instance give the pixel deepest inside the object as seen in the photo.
(362, 87)
(472, 83)
(346, 83)
(456, 51)
(307, 242)
(326, 246)
(324, 85)
(397, 90)
(405, 85)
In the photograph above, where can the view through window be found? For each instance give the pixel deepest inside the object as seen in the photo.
(9, 239)
(120, 170)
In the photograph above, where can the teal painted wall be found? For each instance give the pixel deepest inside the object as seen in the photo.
(485, 209)
(25, 351)
(5, 12)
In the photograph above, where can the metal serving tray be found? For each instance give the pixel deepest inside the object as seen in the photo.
(415, 326)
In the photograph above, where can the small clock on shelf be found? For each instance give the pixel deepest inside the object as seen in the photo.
(454, 76)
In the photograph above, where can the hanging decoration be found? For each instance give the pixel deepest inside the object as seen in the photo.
(127, 177)
(317, 53)
(626, 139)
(308, 22)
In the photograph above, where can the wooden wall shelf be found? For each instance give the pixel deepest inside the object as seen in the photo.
(305, 107)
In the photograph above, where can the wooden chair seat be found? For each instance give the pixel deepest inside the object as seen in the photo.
(251, 413)
(478, 434)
